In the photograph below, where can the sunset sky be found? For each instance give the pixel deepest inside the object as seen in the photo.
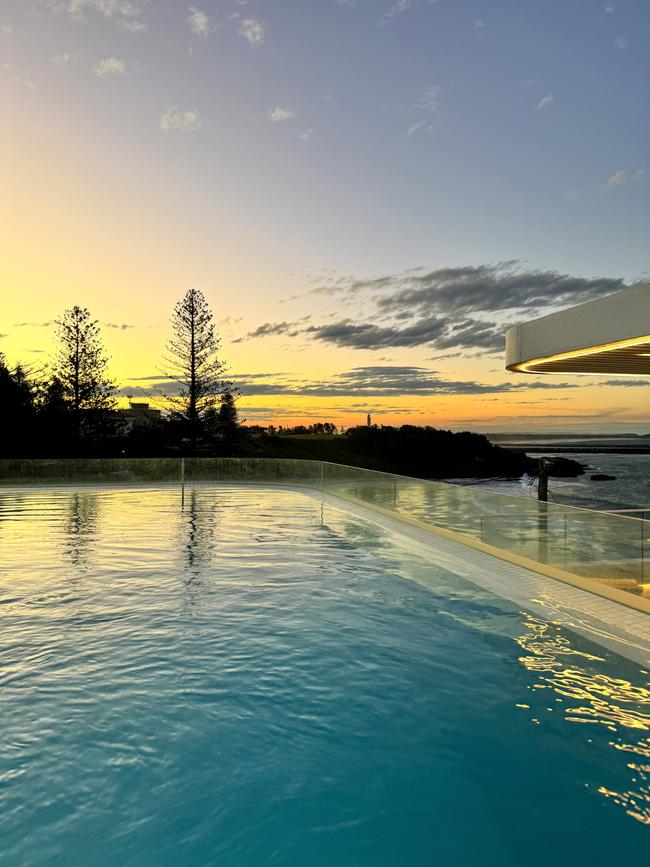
(367, 191)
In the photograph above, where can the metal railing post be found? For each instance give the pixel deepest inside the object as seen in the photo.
(643, 552)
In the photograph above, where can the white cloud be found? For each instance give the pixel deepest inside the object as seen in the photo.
(414, 128)
(253, 30)
(623, 177)
(280, 114)
(429, 99)
(399, 7)
(544, 102)
(574, 197)
(127, 13)
(609, 10)
(134, 26)
(198, 21)
(6, 29)
(16, 74)
(480, 24)
(305, 136)
(64, 58)
(110, 66)
(183, 121)
(620, 42)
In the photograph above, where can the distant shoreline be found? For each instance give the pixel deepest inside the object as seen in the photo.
(559, 443)
(577, 449)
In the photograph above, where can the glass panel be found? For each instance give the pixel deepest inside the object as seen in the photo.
(611, 549)
(111, 471)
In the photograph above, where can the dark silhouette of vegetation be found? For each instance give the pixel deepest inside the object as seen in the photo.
(78, 383)
(68, 410)
(193, 362)
(318, 429)
(228, 423)
(53, 416)
(411, 450)
(17, 395)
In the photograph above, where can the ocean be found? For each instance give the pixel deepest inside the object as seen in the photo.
(630, 489)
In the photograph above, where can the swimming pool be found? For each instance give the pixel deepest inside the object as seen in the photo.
(252, 677)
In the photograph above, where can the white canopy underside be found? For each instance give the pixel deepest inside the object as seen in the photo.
(608, 336)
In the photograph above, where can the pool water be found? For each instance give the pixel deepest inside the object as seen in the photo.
(248, 677)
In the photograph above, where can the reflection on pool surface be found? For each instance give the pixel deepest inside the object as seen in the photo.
(254, 679)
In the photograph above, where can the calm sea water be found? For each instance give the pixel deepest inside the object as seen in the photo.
(248, 679)
(630, 489)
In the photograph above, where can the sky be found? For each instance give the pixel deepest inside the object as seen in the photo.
(368, 192)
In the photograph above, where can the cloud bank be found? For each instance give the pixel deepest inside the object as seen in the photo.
(462, 309)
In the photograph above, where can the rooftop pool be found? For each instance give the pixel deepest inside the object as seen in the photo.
(251, 676)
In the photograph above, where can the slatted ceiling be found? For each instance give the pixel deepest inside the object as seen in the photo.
(634, 359)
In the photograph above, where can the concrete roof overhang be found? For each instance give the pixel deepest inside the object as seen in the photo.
(607, 336)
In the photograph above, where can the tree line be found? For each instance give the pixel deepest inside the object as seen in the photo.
(319, 428)
(69, 407)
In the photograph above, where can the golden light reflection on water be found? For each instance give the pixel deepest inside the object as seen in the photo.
(590, 697)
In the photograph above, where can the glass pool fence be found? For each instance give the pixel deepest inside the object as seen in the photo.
(612, 550)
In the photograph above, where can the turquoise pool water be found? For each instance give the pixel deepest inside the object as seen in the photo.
(251, 679)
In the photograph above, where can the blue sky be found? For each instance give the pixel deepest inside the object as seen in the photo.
(264, 148)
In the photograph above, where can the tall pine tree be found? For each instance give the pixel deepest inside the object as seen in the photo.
(193, 362)
(80, 369)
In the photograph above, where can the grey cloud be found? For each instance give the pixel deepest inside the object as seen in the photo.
(387, 381)
(437, 332)
(625, 383)
(158, 377)
(486, 336)
(237, 376)
(471, 289)
(331, 413)
(448, 307)
(270, 329)
(445, 356)
(479, 289)
(155, 378)
(121, 326)
(160, 388)
(365, 335)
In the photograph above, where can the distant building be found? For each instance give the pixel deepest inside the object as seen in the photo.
(368, 420)
(139, 415)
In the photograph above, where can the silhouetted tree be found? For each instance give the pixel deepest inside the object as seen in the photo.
(53, 416)
(80, 369)
(17, 392)
(228, 423)
(193, 362)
